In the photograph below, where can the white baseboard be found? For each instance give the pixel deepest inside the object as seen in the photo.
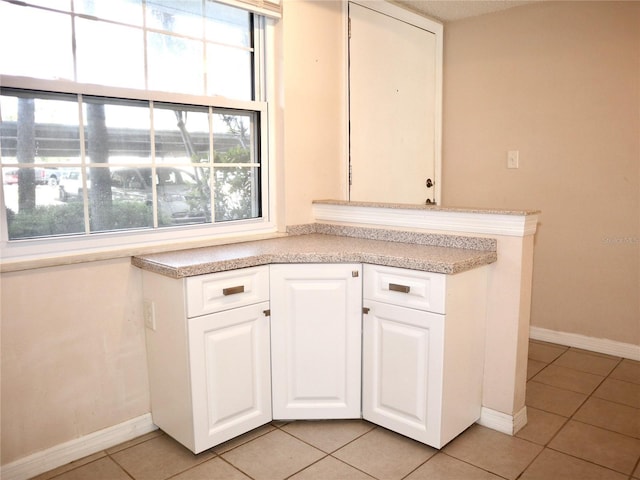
(67, 452)
(502, 422)
(600, 345)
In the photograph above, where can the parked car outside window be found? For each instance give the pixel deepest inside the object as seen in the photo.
(181, 198)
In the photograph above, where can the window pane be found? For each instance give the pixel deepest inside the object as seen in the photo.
(120, 198)
(175, 64)
(177, 16)
(40, 131)
(233, 138)
(48, 127)
(124, 11)
(237, 193)
(117, 132)
(228, 25)
(181, 134)
(183, 195)
(34, 209)
(109, 54)
(35, 43)
(229, 72)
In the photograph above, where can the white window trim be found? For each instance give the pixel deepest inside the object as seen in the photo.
(29, 253)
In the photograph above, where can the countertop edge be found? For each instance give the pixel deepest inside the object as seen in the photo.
(429, 207)
(256, 257)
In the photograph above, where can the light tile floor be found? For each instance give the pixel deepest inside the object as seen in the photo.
(584, 423)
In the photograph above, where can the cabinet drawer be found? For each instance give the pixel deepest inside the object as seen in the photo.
(407, 288)
(221, 291)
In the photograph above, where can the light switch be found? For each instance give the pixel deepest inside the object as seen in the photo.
(513, 159)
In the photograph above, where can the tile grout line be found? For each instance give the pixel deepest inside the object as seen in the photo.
(280, 425)
(570, 418)
(330, 454)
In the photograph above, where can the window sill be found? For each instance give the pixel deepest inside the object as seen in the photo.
(32, 263)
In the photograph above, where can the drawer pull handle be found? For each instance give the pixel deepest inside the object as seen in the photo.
(233, 290)
(394, 287)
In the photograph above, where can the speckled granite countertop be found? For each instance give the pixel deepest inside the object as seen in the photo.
(426, 252)
(418, 206)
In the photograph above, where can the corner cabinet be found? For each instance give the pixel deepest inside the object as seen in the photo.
(315, 338)
(208, 349)
(230, 351)
(423, 351)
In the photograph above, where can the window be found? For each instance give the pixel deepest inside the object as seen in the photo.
(143, 119)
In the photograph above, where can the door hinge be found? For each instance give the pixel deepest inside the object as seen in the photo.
(349, 28)
(267, 313)
(355, 273)
(365, 310)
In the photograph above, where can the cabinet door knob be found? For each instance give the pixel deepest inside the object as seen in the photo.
(394, 287)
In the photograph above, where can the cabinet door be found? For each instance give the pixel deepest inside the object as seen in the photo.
(316, 328)
(230, 373)
(402, 370)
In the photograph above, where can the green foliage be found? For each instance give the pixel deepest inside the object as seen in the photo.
(131, 215)
(46, 221)
(51, 220)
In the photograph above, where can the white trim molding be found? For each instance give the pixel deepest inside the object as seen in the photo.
(503, 422)
(429, 218)
(72, 450)
(599, 345)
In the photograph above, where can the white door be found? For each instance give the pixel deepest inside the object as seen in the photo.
(316, 315)
(392, 106)
(230, 373)
(402, 370)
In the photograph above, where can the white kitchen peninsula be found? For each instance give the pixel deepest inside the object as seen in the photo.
(508, 296)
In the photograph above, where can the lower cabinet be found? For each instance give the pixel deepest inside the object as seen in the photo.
(230, 373)
(402, 377)
(209, 350)
(316, 312)
(230, 351)
(422, 370)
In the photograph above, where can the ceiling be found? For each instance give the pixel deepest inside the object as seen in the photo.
(450, 10)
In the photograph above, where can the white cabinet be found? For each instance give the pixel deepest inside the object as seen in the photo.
(230, 351)
(315, 334)
(423, 344)
(208, 347)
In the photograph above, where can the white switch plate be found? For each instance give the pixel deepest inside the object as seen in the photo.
(513, 160)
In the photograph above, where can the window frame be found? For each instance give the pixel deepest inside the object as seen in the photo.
(126, 241)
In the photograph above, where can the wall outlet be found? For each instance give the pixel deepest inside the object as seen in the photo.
(513, 160)
(149, 312)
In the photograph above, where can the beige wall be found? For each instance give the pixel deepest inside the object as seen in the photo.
(560, 82)
(73, 354)
(315, 141)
